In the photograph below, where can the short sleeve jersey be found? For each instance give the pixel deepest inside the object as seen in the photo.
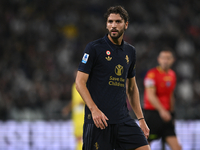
(163, 82)
(108, 66)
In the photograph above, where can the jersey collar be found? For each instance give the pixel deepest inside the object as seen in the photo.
(113, 46)
(161, 70)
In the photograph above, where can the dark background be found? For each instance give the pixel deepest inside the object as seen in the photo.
(42, 41)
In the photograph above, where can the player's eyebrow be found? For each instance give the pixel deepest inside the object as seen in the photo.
(118, 20)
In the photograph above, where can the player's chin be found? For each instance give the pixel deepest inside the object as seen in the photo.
(115, 35)
(166, 67)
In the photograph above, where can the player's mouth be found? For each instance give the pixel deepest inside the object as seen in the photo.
(114, 31)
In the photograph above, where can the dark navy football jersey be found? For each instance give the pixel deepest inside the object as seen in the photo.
(108, 66)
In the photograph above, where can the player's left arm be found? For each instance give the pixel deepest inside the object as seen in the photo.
(172, 101)
(134, 99)
(172, 98)
(172, 105)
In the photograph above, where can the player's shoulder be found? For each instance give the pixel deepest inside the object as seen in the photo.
(152, 70)
(93, 46)
(129, 46)
(151, 73)
(96, 43)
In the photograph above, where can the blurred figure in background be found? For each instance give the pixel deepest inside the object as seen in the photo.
(77, 107)
(159, 85)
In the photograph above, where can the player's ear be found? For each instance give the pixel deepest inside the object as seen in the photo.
(126, 25)
(158, 59)
(173, 60)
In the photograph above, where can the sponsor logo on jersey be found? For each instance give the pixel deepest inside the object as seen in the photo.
(108, 58)
(85, 58)
(167, 78)
(119, 69)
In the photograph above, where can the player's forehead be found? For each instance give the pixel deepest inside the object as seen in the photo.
(114, 16)
(165, 54)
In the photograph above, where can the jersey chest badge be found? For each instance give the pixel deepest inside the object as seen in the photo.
(108, 52)
(108, 58)
(119, 69)
(167, 80)
(168, 83)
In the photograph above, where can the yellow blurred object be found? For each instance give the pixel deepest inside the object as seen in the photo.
(70, 31)
(79, 145)
(77, 113)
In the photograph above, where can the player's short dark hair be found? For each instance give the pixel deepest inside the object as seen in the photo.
(167, 49)
(117, 10)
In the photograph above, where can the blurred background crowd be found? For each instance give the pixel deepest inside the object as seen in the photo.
(42, 41)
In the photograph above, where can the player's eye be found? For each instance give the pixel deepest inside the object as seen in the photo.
(110, 21)
(118, 21)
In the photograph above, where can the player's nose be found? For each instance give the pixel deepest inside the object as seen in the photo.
(114, 24)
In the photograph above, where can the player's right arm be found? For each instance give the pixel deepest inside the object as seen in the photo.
(150, 88)
(98, 116)
(153, 99)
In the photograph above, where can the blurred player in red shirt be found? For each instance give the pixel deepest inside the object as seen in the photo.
(159, 85)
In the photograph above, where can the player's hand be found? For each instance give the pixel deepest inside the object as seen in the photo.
(144, 127)
(66, 110)
(165, 115)
(99, 118)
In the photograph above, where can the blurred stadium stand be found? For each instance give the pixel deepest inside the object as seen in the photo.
(58, 135)
(41, 44)
(39, 135)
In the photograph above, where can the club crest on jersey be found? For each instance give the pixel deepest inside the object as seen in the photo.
(127, 59)
(108, 52)
(85, 58)
(89, 116)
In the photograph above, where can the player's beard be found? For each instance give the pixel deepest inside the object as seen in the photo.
(165, 67)
(118, 35)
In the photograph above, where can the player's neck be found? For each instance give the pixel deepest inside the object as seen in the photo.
(116, 41)
(166, 70)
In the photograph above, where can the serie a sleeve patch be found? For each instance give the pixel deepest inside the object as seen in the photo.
(85, 58)
(149, 82)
